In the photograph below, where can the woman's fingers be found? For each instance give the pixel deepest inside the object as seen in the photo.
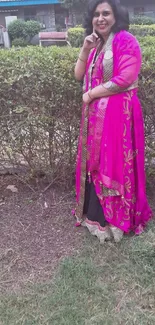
(97, 42)
(90, 39)
(94, 34)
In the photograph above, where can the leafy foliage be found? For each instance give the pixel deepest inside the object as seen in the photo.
(16, 29)
(22, 32)
(142, 20)
(76, 36)
(31, 28)
(19, 42)
(40, 108)
(142, 30)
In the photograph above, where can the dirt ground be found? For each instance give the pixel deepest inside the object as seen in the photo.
(36, 232)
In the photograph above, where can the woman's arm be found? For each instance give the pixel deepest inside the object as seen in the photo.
(80, 67)
(129, 63)
(90, 42)
(97, 92)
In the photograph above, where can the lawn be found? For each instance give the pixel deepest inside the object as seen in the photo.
(99, 285)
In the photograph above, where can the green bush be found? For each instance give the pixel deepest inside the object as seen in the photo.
(40, 105)
(20, 42)
(142, 30)
(16, 29)
(76, 36)
(146, 42)
(142, 20)
(31, 28)
(40, 108)
(22, 32)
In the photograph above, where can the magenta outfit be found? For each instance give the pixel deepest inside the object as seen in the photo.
(111, 141)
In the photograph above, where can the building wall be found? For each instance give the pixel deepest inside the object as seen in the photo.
(148, 6)
(18, 12)
(2, 18)
(5, 13)
(49, 15)
(45, 14)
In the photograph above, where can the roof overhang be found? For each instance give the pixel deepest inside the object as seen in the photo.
(21, 3)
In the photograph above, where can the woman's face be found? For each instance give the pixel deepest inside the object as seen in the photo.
(103, 19)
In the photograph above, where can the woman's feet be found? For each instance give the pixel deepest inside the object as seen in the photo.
(92, 227)
(116, 233)
(108, 233)
(104, 233)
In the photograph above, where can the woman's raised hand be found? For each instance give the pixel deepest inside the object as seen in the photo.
(91, 41)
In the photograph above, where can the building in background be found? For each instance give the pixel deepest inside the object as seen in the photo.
(53, 16)
(50, 14)
(140, 7)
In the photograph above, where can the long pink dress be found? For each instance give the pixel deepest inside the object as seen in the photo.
(111, 141)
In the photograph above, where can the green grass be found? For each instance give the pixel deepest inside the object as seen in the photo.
(103, 285)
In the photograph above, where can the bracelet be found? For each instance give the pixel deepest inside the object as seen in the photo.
(82, 60)
(89, 94)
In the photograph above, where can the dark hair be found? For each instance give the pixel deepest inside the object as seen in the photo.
(121, 15)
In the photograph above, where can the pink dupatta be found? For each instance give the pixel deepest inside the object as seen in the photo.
(111, 143)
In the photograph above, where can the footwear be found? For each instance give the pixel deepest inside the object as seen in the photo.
(103, 234)
(117, 233)
(93, 228)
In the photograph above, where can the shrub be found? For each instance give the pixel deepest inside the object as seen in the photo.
(142, 20)
(146, 42)
(142, 30)
(31, 28)
(40, 108)
(76, 36)
(22, 32)
(19, 42)
(16, 29)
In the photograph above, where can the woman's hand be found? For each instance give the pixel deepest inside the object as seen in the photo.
(91, 42)
(87, 98)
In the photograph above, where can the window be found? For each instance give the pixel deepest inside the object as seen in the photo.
(29, 13)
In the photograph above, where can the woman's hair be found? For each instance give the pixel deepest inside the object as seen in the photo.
(121, 15)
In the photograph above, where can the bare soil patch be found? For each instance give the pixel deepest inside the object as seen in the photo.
(36, 232)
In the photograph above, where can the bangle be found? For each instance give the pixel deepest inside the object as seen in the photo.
(82, 60)
(89, 94)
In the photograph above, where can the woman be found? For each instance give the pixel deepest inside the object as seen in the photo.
(110, 177)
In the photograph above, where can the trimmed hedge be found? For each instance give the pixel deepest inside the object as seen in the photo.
(76, 35)
(40, 107)
(142, 30)
(142, 20)
(20, 42)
